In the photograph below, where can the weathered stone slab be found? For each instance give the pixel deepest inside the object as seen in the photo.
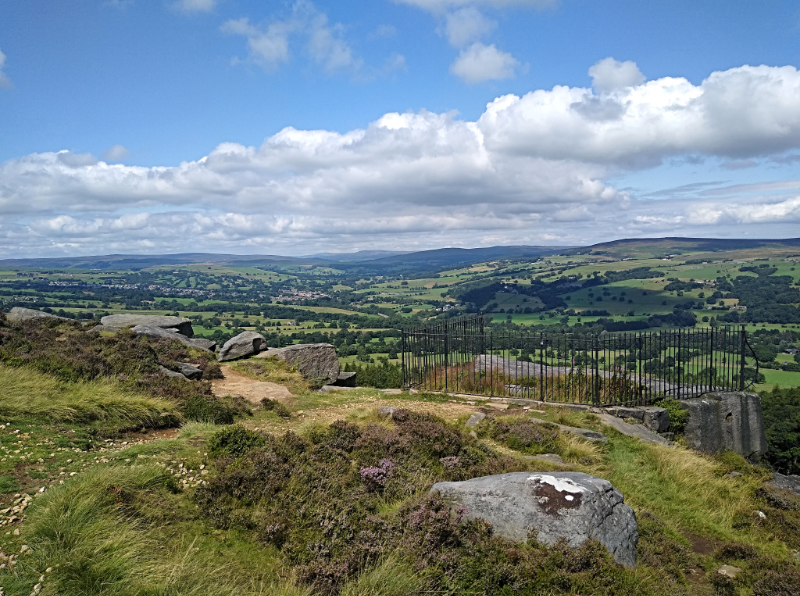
(189, 371)
(18, 315)
(656, 419)
(589, 435)
(160, 333)
(316, 362)
(171, 373)
(206, 344)
(475, 420)
(550, 506)
(720, 421)
(633, 430)
(118, 322)
(245, 344)
(791, 482)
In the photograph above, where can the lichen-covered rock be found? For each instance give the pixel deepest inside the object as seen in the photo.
(316, 362)
(118, 322)
(551, 506)
(18, 314)
(243, 345)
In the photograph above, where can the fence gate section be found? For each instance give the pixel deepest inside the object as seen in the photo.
(465, 356)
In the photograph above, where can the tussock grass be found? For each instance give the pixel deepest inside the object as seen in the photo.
(92, 535)
(28, 393)
(393, 577)
(680, 486)
(577, 450)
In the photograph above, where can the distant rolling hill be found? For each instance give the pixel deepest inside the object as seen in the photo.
(426, 260)
(661, 247)
(374, 260)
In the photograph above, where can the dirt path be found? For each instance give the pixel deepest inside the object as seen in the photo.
(235, 383)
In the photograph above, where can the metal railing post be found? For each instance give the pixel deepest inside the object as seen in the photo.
(744, 355)
(403, 358)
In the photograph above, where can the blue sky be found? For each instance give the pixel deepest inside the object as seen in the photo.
(293, 127)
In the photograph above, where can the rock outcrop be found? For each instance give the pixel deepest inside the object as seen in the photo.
(18, 315)
(551, 506)
(316, 362)
(243, 345)
(656, 419)
(791, 482)
(720, 421)
(158, 332)
(181, 325)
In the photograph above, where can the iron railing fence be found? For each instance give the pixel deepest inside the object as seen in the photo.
(465, 356)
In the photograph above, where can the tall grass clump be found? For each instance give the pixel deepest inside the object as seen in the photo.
(28, 393)
(94, 534)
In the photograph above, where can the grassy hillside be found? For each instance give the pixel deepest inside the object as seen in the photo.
(319, 495)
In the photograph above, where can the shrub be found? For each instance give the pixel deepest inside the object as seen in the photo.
(272, 405)
(208, 409)
(520, 434)
(234, 441)
(678, 415)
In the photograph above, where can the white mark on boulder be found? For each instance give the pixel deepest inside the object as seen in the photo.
(562, 485)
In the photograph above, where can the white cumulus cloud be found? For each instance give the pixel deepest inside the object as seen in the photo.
(531, 169)
(480, 62)
(467, 25)
(739, 113)
(269, 46)
(609, 75)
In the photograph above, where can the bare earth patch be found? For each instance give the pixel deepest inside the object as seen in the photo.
(235, 383)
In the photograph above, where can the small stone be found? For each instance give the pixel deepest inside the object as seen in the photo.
(729, 571)
(760, 514)
(475, 419)
(386, 411)
(734, 475)
(16, 532)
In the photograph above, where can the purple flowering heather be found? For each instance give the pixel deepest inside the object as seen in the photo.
(376, 476)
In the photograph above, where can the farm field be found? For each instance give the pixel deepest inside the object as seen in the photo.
(648, 285)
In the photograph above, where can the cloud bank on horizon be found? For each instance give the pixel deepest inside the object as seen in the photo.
(558, 164)
(527, 168)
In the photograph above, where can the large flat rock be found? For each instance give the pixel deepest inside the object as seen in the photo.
(118, 322)
(159, 333)
(316, 362)
(633, 430)
(18, 315)
(550, 506)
